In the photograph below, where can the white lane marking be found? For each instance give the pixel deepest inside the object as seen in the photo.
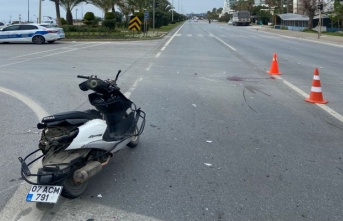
(227, 45)
(158, 54)
(132, 88)
(16, 201)
(165, 46)
(302, 93)
(189, 35)
(37, 109)
(49, 55)
(40, 52)
(149, 66)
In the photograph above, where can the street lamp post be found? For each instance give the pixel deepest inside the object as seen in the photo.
(76, 15)
(172, 10)
(153, 16)
(40, 12)
(28, 10)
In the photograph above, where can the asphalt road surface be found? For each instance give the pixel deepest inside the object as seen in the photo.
(223, 139)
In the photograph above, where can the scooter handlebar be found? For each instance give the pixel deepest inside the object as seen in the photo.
(82, 76)
(100, 86)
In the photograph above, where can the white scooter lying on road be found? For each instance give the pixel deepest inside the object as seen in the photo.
(77, 144)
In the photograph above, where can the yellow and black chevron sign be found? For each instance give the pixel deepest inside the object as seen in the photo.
(135, 24)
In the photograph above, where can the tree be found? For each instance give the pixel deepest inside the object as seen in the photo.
(338, 7)
(109, 20)
(89, 18)
(214, 14)
(68, 5)
(243, 5)
(106, 5)
(126, 10)
(225, 18)
(262, 14)
(310, 7)
(58, 13)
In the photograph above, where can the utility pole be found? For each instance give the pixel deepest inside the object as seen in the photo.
(320, 23)
(40, 12)
(153, 16)
(320, 7)
(172, 10)
(28, 10)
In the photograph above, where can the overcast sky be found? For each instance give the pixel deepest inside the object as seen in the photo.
(12, 9)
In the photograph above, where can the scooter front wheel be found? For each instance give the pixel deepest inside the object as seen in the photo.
(72, 189)
(134, 140)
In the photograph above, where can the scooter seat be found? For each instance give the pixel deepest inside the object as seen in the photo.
(73, 116)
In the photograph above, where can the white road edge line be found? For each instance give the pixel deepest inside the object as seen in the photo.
(302, 93)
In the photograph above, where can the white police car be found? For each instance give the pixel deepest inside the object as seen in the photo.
(31, 33)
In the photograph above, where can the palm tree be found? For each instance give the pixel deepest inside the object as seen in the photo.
(126, 9)
(58, 13)
(68, 5)
(106, 5)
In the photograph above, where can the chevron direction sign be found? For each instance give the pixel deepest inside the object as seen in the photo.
(135, 24)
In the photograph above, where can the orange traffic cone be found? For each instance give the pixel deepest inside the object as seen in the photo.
(316, 95)
(274, 68)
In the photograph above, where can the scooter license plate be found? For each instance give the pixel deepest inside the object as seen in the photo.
(44, 194)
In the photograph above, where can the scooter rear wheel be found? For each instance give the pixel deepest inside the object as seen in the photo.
(134, 140)
(72, 189)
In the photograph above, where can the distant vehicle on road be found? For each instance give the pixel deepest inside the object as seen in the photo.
(241, 18)
(47, 20)
(31, 33)
(230, 22)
